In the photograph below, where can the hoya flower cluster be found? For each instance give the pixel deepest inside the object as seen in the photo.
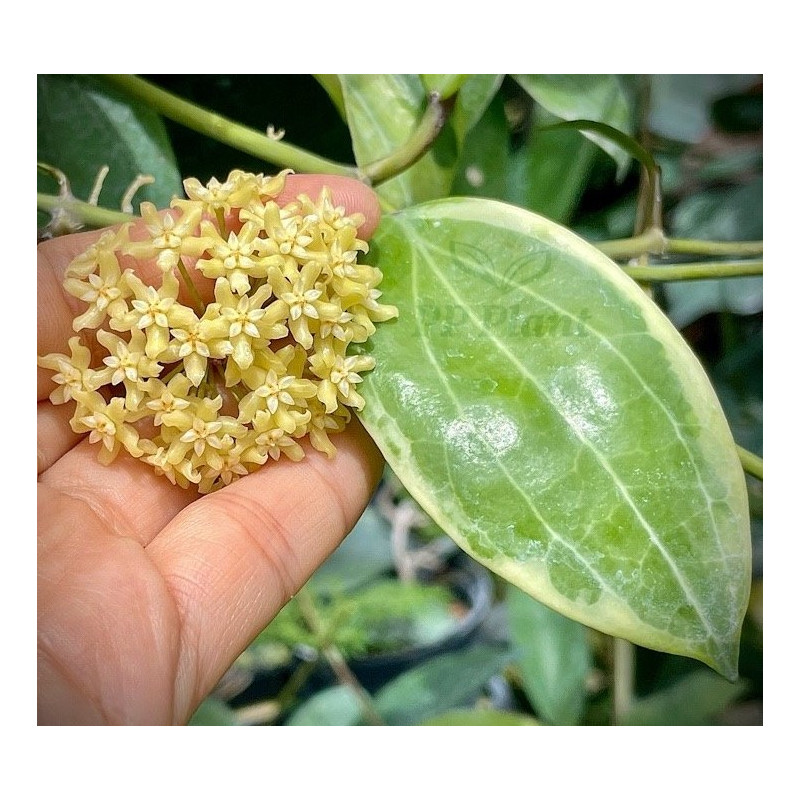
(208, 389)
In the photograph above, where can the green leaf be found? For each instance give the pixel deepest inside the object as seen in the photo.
(681, 104)
(213, 712)
(332, 85)
(382, 113)
(364, 555)
(107, 131)
(338, 705)
(596, 97)
(735, 214)
(481, 716)
(552, 653)
(693, 700)
(483, 163)
(444, 85)
(550, 172)
(545, 413)
(439, 685)
(384, 110)
(474, 97)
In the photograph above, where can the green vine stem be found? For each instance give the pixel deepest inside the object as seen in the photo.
(751, 463)
(224, 130)
(91, 215)
(696, 270)
(415, 147)
(654, 242)
(623, 675)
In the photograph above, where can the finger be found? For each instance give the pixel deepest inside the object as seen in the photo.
(347, 192)
(54, 436)
(127, 496)
(57, 309)
(234, 558)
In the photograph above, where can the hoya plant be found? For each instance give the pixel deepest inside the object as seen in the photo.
(527, 382)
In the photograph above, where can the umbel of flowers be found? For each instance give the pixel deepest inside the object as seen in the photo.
(208, 386)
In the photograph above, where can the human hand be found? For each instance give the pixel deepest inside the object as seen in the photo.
(147, 592)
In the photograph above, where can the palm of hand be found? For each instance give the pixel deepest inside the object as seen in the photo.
(146, 594)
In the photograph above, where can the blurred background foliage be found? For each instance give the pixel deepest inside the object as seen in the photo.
(473, 650)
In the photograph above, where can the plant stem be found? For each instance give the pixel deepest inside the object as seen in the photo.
(199, 305)
(696, 270)
(224, 130)
(751, 463)
(91, 215)
(623, 678)
(702, 248)
(335, 658)
(654, 241)
(415, 147)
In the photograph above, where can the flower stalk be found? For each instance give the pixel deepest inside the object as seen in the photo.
(222, 129)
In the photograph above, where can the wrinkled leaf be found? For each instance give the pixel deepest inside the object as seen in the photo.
(552, 653)
(481, 716)
(438, 685)
(338, 705)
(82, 124)
(600, 98)
(693, 700)
(545, 413)
(382, 113)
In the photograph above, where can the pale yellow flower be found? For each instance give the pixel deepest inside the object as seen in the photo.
(306, 302)
(167, 397)
(170, 236)
(223, 387)
(110, 428)
(89, 261)
(105, 292)
(73, 374)
(129, 365)
(339, 376)
(243, 321)
(236, 258)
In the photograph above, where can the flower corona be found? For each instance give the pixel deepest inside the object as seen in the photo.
(206, 379)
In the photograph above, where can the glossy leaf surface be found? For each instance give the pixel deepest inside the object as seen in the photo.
(548, 416)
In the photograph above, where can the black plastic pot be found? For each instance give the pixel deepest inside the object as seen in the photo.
(471, 584)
